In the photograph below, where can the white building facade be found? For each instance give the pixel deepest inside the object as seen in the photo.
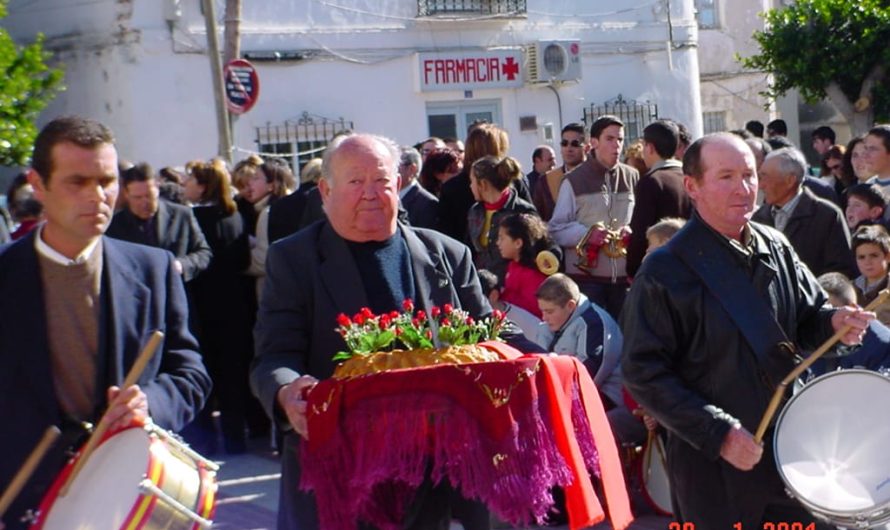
(407, 69)
(731, 95)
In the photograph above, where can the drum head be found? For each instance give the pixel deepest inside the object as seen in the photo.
(105, 491)
(656, 487)
(832, 440)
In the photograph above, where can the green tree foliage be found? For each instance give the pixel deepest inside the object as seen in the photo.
(27, 85)
(830, 48)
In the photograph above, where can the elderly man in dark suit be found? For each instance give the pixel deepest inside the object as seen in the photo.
(815, 227)
(75, 310)
(151, 221)
(421, 205)
(360, 256)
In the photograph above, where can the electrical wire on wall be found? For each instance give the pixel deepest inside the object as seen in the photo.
(558, 102)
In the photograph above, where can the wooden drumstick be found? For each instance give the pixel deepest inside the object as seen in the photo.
(99, 431)
(780, 391)
(24, 473)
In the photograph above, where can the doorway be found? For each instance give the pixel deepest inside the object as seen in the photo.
(451, 119)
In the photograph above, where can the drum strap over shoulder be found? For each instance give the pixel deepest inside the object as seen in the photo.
(736, 293)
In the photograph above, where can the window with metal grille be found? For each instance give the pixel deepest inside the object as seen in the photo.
(706, 14)
(299, 140)
(427, 8)
(714, 121)
(635, 115)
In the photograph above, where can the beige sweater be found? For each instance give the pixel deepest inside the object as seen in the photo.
(71, 298)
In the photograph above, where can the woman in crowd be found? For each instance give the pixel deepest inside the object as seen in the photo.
(26, 211)
(440, 166)
(832, 171)
(271, 181)
(220, 313)
(491, 182)
(855, 168)
(241, 175)
(456, 198)
(633, 156)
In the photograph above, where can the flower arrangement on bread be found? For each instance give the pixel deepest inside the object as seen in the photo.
(413, 338)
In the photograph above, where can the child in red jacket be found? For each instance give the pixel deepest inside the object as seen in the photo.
(521, 238)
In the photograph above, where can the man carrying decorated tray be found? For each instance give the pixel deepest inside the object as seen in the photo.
(359, 256)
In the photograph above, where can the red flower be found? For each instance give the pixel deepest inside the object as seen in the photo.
(498, 314)
(470, 321)
(385, 321)
(446, 322)
(448, 308)
(397, 331)
(415, 322)
(393, 315)
(429, 334)
(421, 315)
(435, 312)
(343, 320)
(359, 319)
(408, 305)
(367, 313)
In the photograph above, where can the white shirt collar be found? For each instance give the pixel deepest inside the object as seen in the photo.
(51, 254)
(407, 188)
(669, 162)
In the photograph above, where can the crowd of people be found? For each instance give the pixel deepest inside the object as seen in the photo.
(641, 262)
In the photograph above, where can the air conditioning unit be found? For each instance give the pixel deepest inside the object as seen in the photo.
(553, 60)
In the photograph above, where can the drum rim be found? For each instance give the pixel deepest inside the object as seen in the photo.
(876, 510)
(49, 499)
(645, 491)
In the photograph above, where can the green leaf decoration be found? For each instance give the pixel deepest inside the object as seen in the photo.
(342, 356)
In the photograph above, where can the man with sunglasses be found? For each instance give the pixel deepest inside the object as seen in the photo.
(573, 148)
(592, 214)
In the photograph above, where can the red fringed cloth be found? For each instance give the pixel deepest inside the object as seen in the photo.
(503, 432)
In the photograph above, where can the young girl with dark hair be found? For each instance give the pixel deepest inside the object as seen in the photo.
(521, 238)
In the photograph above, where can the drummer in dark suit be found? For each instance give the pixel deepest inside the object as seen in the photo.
(360, 256)
(711, 325)
(76, 308)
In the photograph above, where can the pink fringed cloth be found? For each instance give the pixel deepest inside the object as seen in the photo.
(502, 432)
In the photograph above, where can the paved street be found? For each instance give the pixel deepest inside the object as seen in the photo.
(248, 494)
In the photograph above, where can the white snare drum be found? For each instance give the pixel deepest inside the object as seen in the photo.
(654, 479)
(831, 448)
(137, 478)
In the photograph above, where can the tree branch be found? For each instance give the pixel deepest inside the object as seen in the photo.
(840, 101)
(876, 74)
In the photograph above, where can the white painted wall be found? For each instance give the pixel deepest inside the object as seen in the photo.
(141, 65)
(725, 85)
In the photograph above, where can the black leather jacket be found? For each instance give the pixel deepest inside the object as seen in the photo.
(687, 361)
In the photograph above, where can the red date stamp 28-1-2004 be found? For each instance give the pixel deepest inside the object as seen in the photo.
(738, 526)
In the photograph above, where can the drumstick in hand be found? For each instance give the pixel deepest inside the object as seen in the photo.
(24, 473)
(130, 380)
(780, 390)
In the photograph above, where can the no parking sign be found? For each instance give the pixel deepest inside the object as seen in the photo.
(242, 86)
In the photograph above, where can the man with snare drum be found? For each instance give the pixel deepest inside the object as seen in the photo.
(711, 326)
(76, 309)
